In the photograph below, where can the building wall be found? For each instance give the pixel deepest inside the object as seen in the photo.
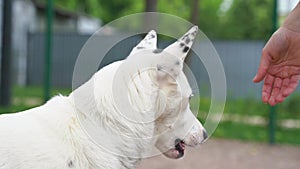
(23, 21)
(27, 18)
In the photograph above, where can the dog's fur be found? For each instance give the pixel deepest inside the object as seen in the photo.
(124, 112)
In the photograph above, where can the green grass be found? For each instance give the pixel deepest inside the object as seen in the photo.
(241, 131)
(290, 109)
(37, 91)
(251, 107)
(27, 97)
(245, 132)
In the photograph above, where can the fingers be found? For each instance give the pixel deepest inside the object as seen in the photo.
(267, 88)
(272, 90)
(291, 86)
(281, 97)
(263, 67)
(275, 89)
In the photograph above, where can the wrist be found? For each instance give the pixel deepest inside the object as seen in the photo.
(292, 22)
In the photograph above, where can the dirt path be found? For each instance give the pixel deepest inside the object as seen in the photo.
(228, 154)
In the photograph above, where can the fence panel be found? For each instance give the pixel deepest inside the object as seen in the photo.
(240, 60)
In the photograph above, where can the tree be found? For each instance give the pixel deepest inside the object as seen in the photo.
(103, 9)
(150, 5)
(194, 18)
(209, 17)
(179, 8)
(247, 20)
(113, 9)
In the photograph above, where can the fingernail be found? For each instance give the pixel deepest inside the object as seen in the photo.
(254, 79)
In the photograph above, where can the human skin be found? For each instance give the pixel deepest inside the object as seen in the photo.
(280, 61)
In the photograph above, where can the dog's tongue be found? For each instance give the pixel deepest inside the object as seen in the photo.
(179, 146)
(176, 152)
(173, 153)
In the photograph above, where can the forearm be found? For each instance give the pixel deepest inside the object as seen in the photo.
(292, 22)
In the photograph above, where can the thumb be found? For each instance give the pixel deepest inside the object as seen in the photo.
(263, 67)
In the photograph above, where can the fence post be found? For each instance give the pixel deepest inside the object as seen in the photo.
(273, 109)
(272, 124)
(5, 89)
(48, 51)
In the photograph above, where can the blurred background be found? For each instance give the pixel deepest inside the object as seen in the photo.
(37, 58)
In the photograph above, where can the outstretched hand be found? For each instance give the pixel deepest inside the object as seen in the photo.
(279, 66)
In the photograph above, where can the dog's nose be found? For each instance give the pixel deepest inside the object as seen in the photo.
(205, 135)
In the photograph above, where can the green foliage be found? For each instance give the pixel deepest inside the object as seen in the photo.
(113, 9)
(247, 19)
(290, 136)
(179, 8)
(246, 132)
(103, 9)
(241, 131)
(28, 97)
(209, 18)
(247, 108)
(290, 108)
(66, 4)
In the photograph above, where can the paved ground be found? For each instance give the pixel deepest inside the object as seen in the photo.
(225, 154)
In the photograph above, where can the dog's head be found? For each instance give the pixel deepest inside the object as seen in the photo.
(175, 124)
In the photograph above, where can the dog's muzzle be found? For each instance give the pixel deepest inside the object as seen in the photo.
(177, 151)
(179, 146)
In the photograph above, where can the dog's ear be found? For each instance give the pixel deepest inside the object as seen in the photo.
(168, 68)
(181, 47)
(149, 42)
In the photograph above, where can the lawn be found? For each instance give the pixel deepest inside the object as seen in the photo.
(252, 108)
(28, 97)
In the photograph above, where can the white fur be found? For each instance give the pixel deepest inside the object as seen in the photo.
(91, 129)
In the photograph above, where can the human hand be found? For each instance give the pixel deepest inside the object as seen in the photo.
(279, 66)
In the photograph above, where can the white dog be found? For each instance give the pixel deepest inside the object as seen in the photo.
(125, 112)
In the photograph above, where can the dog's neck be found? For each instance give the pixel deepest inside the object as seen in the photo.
(106, 119)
